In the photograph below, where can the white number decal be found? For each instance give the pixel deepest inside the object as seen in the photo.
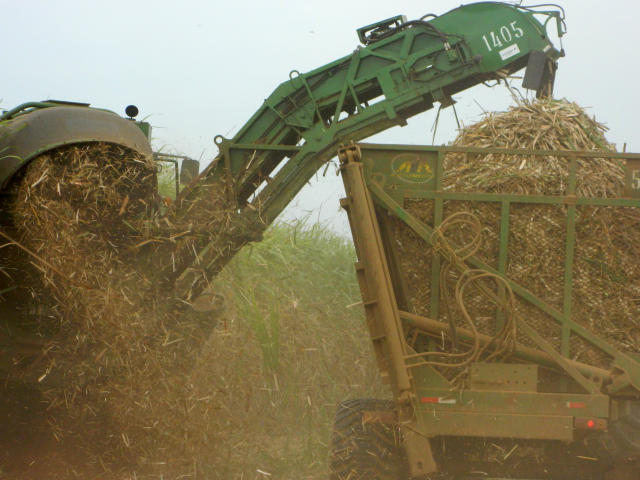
(505, 34)
(496, 40)
(486, 42)
(517, 31)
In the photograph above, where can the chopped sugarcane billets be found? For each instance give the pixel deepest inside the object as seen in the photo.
(606, 274)
(87, 247)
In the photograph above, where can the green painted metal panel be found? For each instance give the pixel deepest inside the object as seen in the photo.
(300, 126)
(505, 36)
(503, 376)
(25, 135)
(469, 424)
(530, 403)
(377, 86)
(390, 190)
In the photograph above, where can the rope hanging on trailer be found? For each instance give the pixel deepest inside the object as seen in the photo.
(455, 256)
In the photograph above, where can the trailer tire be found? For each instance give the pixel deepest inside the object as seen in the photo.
(620, 444)
(366, 450)
(626, 433)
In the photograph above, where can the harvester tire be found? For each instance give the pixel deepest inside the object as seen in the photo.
(363, 450)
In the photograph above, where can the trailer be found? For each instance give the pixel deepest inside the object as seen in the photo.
(465, 386)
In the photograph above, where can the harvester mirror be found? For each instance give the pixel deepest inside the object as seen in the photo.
(131, 111)
(189, 169)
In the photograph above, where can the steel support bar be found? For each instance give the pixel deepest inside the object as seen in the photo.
(502, 151)
(527, 199)
(438, 212)
(549, 427)
(381, 306)
(426, 233)
(503, 251)
(570, 244)
(437, 329)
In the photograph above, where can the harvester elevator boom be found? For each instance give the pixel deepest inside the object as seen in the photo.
(400, 70)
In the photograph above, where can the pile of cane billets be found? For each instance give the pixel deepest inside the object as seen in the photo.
(606, 273)
(87, 269)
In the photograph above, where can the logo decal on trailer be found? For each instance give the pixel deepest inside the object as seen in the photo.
(411, 168)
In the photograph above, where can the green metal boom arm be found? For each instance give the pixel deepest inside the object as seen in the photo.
(401, 71)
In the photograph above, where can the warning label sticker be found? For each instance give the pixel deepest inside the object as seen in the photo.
(510, 51)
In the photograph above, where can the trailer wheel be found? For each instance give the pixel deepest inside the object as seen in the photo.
(620, 444)
(366, 450)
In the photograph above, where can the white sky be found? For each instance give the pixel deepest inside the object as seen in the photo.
(200, 68)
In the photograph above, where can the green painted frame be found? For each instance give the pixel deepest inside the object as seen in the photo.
(389, 190)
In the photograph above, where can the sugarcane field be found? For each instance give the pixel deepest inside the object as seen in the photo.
(417, 258)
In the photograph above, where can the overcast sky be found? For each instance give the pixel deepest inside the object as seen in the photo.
(197, 69)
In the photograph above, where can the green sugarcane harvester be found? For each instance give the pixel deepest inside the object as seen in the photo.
(588, 417)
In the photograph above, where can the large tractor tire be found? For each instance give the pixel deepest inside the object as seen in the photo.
(363, 448)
